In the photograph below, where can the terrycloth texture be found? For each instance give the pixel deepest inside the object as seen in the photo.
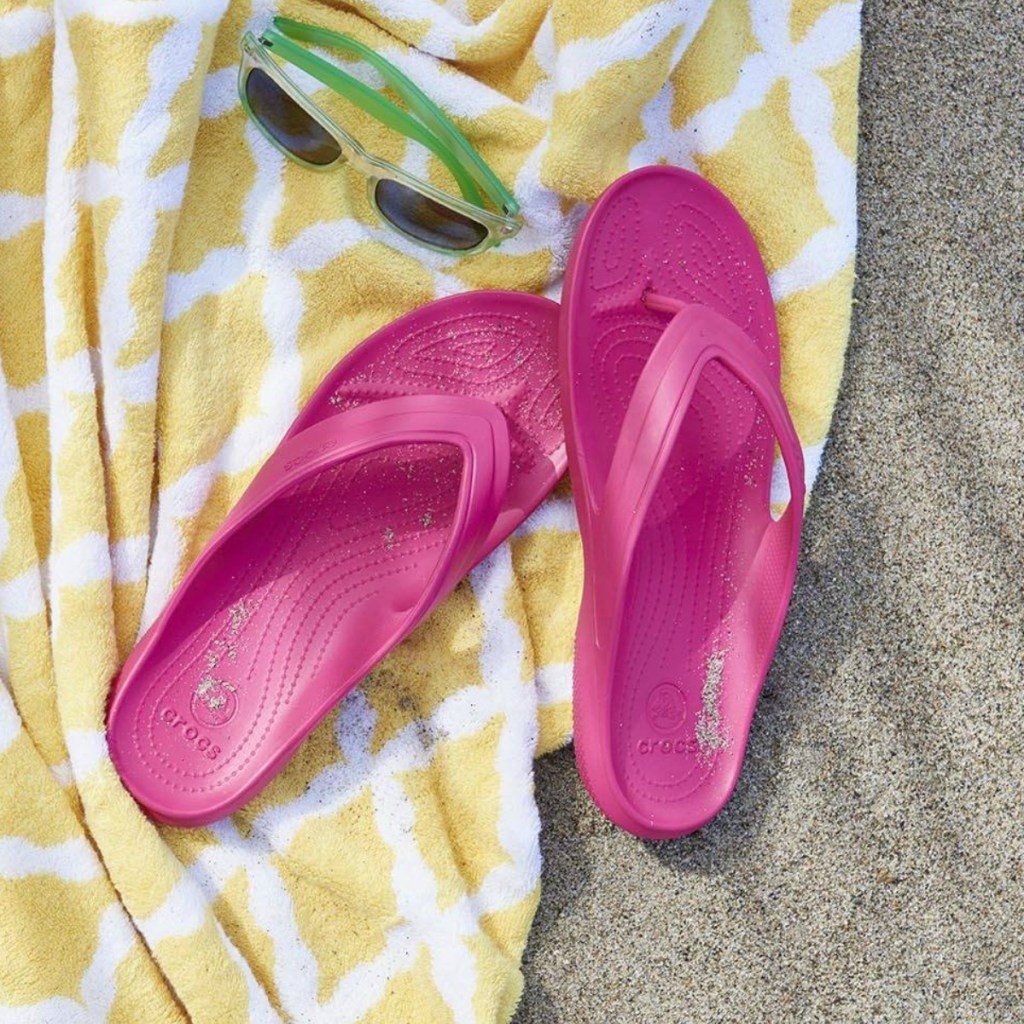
(170, 291)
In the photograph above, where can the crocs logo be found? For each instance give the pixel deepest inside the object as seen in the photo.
(214, 702)
(178, 723)
(666, 708)
(656, 746)
(311, 453)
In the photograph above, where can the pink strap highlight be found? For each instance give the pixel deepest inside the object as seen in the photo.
(694, 337)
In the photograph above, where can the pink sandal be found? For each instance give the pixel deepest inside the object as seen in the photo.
(418, 454)
(671, 397)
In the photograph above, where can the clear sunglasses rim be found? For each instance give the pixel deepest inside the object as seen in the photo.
(499, 228)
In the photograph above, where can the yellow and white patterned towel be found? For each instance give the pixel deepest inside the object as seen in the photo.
(170, 292)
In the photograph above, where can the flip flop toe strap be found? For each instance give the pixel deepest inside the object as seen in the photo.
(695, 336)
(476, 427)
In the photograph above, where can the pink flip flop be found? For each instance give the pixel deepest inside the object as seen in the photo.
(418, 454)
(670, 391)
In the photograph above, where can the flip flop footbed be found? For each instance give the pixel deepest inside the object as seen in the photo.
(495, 346)
(661, 727)
(287, 613)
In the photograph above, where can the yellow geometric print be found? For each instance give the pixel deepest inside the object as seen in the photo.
(171, 290)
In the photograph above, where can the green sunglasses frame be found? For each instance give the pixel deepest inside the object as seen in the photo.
(429, 127)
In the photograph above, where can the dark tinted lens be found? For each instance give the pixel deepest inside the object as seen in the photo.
(288, 122)
(425, 220)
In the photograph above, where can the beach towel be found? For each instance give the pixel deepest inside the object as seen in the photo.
(171, 290)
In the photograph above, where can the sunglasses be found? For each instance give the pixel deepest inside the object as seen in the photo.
(297, 126)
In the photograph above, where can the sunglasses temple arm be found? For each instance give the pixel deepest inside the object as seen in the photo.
(418, 101)
(376, 106)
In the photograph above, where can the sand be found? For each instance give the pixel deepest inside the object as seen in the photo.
(869, 866)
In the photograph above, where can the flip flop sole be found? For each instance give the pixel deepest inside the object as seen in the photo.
(293, 608)
(661, 730)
